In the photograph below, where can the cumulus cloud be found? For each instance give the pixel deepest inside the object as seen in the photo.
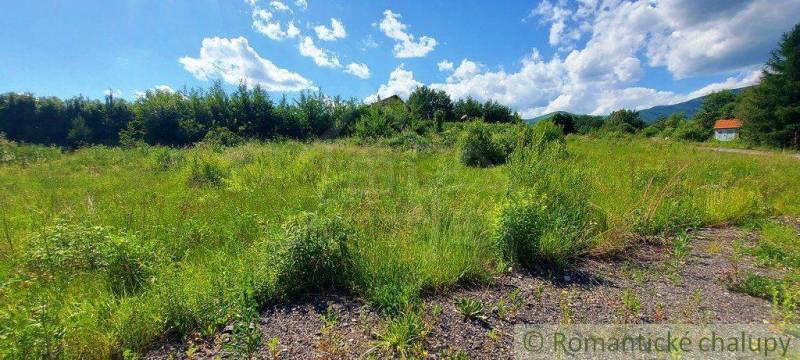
(715, 36)
(279, 6)
(558, 15)
(445, 65)
(467, 70)
(336, 31)
(233, 60)
(687, 37)
(405, 44)
(303, 4)
(359, 70)
(622, 39)
(321, 57)
(368, 43)
(401, 83)
(734, 82)
(264, 23)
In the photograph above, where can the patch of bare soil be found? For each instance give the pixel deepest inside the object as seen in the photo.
(653, 285)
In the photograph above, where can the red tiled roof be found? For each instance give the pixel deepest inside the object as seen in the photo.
(728, 124)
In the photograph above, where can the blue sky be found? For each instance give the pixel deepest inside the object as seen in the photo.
(588, 56)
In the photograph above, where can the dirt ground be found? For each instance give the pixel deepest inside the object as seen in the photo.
(665, 287)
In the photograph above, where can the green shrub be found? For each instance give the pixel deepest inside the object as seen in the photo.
(164, 158)
(409, 140)
(205, 170)
(479, 149)
(71, 248)
(221, 136)
(546, 218)
(317, 257)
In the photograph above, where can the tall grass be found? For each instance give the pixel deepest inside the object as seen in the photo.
(205, 232)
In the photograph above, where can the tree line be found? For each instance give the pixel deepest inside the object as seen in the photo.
(188, 116)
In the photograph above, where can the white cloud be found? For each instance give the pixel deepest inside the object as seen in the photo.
(405, 46)
(292, 31)
(401, 83)
(321, 57)
(734, 82)
(623, 38)
(359, 70)
(233, 60)
(303, 4)
(336, 31)
(279, 6)
(467, 70)
(251, 2)
(558, 15)
(688, 37)
(715, 36)
(445, 65)
(368, 43)
(264, 23)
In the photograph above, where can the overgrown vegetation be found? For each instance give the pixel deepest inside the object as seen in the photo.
(101, 257)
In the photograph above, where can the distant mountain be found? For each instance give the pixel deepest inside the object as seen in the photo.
(651, 115)
(688, 107)
(546, 116)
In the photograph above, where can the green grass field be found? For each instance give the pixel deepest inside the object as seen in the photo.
(105, 251)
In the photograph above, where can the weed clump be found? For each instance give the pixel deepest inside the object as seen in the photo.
(479, 149)
(72, 248)
(206, 171)
(317, 257)
(546, 218)
(403, 335)
(163, 159)
(668, 205)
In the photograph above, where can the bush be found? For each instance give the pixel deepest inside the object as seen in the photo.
(409, 140)
(317, 257)
(478, 148)
(546, 218)
(164, 158)
(221, 136)
(71, 248)
(205, 170)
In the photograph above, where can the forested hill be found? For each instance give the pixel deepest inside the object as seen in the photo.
(650, 115)
(688, 107)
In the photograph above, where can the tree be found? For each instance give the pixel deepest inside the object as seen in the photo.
(424, 102)
(494, 112)
(468, 107)
(626, 121)
(565, 122)
(771, 110)
(264, 123)
(165, 119)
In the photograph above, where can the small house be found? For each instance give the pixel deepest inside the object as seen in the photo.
(727, 129)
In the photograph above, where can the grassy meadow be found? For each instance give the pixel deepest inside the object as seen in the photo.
(107, 251)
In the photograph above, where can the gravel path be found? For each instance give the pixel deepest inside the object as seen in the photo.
(667, 289)
(750, 152)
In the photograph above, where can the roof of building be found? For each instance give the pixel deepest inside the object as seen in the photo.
(728, 124)
(392, 99)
